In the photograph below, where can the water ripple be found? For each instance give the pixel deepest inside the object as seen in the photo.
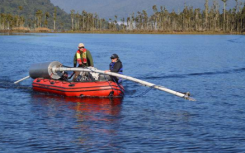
(211, 67)
(196, 74)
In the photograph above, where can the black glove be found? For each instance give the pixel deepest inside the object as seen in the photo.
(75, 65)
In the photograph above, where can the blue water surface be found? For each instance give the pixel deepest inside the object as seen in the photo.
(210, 67)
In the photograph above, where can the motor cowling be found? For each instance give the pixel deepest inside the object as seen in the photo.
(45, 70)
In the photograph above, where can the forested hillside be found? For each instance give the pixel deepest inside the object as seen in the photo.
(32, 14)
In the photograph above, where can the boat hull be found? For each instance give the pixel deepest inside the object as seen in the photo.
(79, 89)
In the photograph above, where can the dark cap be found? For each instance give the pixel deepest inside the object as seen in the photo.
(114, 56)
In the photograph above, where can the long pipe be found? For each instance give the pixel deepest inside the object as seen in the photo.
(22, 79)
(182, 95)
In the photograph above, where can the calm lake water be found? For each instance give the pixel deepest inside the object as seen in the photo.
(210, 67)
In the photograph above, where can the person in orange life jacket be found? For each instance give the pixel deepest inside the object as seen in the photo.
(116, 67)
(83, 57)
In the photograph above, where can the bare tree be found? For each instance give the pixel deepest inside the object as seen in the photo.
(72, 19)
(54, 17)
(224, 23)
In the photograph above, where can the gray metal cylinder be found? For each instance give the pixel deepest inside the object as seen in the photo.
(44, 70)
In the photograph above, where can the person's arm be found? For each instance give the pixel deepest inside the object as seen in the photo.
(109, 68)
(75, 60)
(90, 58)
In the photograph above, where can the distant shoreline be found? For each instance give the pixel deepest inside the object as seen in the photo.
(130, 32)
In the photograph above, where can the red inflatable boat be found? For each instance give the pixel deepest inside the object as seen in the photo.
(79, 89)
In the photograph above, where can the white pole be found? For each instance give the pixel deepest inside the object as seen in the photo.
(22, 79)
(182, 95)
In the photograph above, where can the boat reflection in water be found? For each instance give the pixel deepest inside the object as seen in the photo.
(109, 106)
(93, 117)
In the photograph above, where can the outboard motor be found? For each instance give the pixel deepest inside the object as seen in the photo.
(44, 70)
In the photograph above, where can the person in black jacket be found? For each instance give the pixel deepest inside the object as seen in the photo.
(116, 67)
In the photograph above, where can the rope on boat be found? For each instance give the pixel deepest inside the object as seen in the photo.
(144, 93)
